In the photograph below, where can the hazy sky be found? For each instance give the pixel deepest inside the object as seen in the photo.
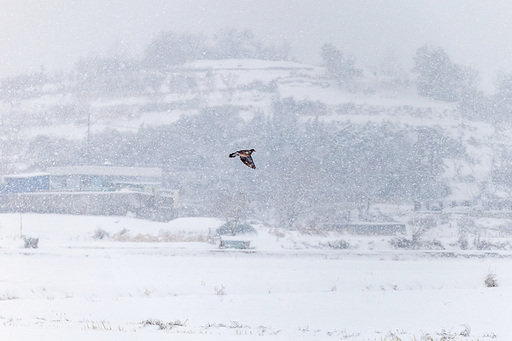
(55, 33)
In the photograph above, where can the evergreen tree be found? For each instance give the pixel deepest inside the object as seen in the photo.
(340, 67)
(439, 78)
(170, 49)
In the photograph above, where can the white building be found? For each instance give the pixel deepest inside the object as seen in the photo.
(104, 178)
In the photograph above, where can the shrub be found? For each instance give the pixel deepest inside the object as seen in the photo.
(401, 243)
(221, 291)
(466, 331)
(339, 244)
(490, 280)
(31, 242)
(100, 234)
(163, 325)
(415, 243)
(463, 242)
(433, 244)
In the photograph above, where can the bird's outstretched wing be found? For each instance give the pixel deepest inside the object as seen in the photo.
(247, 160)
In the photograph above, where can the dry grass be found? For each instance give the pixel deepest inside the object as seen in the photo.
(164, 325)
(277, 232)
(166, 237)
(99, 325)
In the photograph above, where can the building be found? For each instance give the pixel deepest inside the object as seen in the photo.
(85, 179)
(26, 183)
(91, 190)
(104, 178)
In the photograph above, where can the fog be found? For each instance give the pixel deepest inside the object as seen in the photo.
(56, 33)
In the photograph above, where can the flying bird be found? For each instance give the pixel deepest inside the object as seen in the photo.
(245, 156)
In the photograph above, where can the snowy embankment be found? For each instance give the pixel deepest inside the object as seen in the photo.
(76, 286)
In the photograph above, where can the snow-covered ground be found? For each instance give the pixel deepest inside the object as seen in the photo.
(155, 281)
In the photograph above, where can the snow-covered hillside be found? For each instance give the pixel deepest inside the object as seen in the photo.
(242, 99)
(64, 110)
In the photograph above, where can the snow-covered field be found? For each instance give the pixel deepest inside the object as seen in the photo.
(160, 281)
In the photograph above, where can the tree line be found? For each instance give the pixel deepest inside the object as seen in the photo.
(436, 77)
(434, 74)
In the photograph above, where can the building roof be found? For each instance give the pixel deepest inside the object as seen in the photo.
(106, 170)
(25, 175)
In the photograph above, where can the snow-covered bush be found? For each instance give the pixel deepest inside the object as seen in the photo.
(401, 243)
(163, 325)
(100, 234)
(220, 290)
(31, 242)
(490, 280)
(416, 243)
(339, 244)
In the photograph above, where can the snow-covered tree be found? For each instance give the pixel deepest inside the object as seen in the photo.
(170, 49)
(439, 78)
(339, 66)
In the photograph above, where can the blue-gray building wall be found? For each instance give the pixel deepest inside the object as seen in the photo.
(27, 184)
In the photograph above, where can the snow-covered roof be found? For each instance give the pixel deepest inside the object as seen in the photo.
(106, 170)
(25, 175)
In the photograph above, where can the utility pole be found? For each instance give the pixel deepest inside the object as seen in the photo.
(21, 225)
(88, 135)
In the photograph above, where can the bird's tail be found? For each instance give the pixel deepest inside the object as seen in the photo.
(232, 155)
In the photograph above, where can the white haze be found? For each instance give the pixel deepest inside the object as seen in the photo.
(54, 34)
